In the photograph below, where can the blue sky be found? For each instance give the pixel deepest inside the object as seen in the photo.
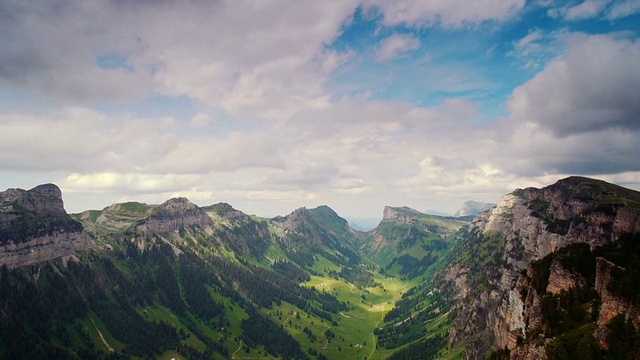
(274, 105)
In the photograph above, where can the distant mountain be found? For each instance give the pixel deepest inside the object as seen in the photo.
(547, 273)
(437, 213)
(407, 242)
(472, 208)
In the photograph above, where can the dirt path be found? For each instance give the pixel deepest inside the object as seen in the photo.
(373, 336)
(327, 328)
(233, 356)
(102, 337)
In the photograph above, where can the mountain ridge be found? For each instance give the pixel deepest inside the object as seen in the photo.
(526, 227)
(418, 285)
(34, 227)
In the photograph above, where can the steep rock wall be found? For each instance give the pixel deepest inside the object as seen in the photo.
(34, 227)
(532, 224)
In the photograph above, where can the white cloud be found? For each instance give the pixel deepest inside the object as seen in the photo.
(396, 46)
(529, 44)
(221, 52)
(270, 136)
(622, 9)
(586, 9)
(579, 115)
(200, 119)
(593, 87)
(455, 13)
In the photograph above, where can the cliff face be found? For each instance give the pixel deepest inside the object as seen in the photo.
(173, 215)
(34, 227)
(500, 307)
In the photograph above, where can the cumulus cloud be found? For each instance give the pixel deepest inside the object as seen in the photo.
(455, 13)
(579, 115)
(609, 151)
(82, 140)
(222, 50)
(395, 46)
(593, 87)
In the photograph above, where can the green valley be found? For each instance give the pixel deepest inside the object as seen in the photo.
(541, 273)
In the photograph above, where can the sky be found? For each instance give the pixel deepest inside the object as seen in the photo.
(274, 105)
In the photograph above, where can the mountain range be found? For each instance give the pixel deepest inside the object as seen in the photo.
(546, 273)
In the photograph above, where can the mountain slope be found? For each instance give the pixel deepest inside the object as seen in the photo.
(493, 273)
(305, 234)
(407, 242)
(547, 273)
(177, 280)
(34, 227)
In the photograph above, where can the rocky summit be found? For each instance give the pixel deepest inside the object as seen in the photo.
(34, 227)
(548, 273)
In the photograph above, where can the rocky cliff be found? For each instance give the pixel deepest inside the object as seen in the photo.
(496, 275)
(34, 227)
(173, 215)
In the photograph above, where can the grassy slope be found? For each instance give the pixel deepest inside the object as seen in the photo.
(354, 333)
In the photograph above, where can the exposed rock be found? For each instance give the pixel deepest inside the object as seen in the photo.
(37, 250)
(562, 279)
(612, 305)
(402, 214)
(173, 215)
(294, 220)
(534, 223)
(34, 227)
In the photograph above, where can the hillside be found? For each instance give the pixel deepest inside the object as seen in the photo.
(176, 280)
(407, 242)
(547, 273)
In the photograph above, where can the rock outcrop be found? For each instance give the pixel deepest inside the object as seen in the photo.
(527, 225)
(34, 227)
(173, 215)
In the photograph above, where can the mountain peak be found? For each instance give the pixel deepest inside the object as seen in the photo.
(174, 214)
(51, 190)
(41, 200)
(178, 204)
(472, 208)
(34, 226)
(395, 213)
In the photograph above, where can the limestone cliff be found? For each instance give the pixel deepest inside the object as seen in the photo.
(34, 227)
(173, 215)
(490, 277)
